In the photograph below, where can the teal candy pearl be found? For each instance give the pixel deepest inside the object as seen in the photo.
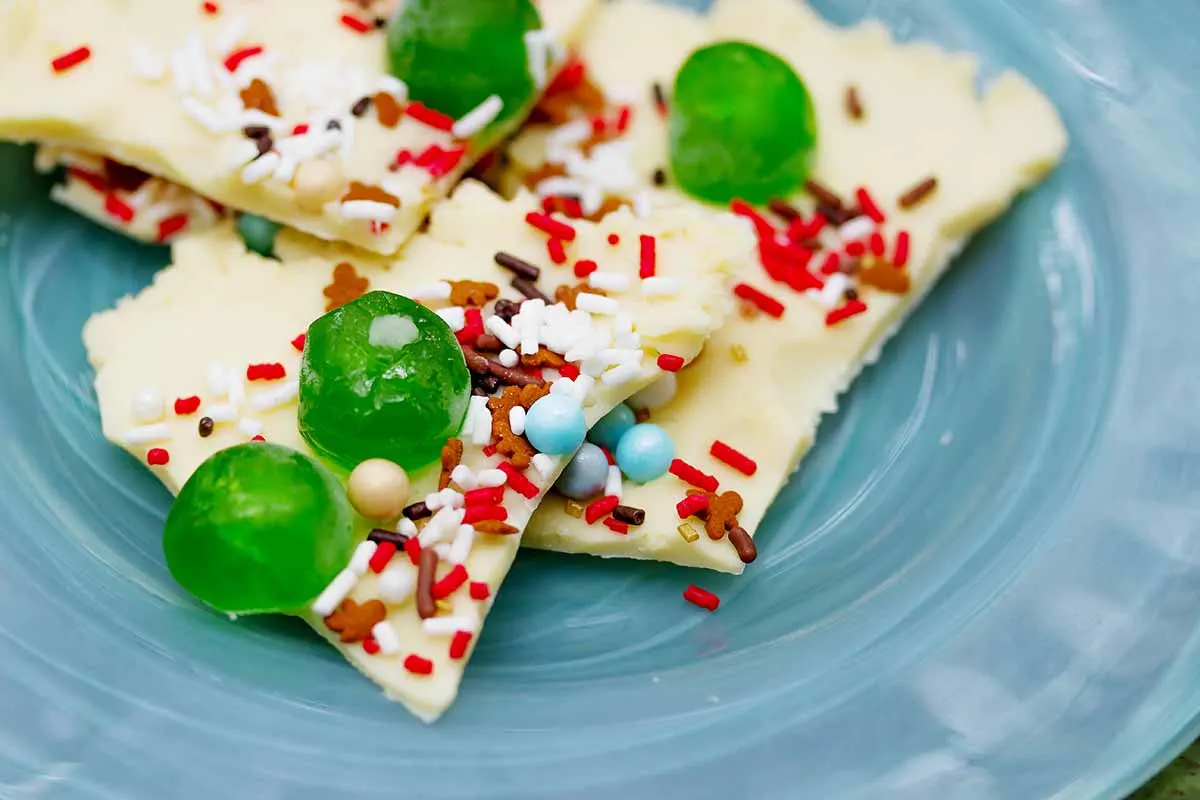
(645, 453)
(555, 425)
(258, 233)
(612, 426)
(584, 477)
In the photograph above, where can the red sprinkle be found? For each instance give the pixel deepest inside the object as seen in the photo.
(490, 496)
(383, 554)
(852, 308)
(459, 644)
(877, 245)
(418, 666)
(258, 438)
(689, 474)
(766, 303)
(613, 239)
(701, 597)
(72, 59)
(568, 78)
(616, 526)
(689, 505)
(370, 646)
(413, 548)
(624, 116)
(831, 264)
(157, 457)
(903, 243)
(762, 226)
(453, 579)
(402, 157)
(670, 363)
(449, 160)
(869, 206)
(355, 24)
(479, 590)
(92, 179)
(235, 59)
(612, 460)
(856, 249)
(550, 226)
(300, 129)
(648, 263)
(427, 116)
(299, 341)
(265, 372)
(489, 450)
(601, 508)
(210, 8)
(554, 247)
(727, 455)
(187, 405)
(472, 327)
(480, 513)
(585, 267)
(429, 156)
(118, 208)
(171, 226)
(569, 371)
(517, 481)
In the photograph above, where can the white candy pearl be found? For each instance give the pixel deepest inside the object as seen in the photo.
(316, 183)
(378, 489)
(657, 394)
(148, 406)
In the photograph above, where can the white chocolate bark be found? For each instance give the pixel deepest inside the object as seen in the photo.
(156, 91)
(923, 117)
(218, 304)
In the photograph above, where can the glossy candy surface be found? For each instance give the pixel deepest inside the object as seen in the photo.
(555, 425)
(645, 453)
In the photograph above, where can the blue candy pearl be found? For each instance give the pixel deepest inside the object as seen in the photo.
(645, 453)
(584, 477)
(555, 425)
(612, 426)
(258, 233)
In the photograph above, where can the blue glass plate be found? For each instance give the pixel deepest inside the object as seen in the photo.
(984, 583)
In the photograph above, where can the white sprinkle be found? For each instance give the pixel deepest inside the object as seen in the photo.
(464, 477)
(231, 34)
(628, 340)
(237, 387)
(242, 153)
(570, 134)
(570, 187)
(616, 355)
(145, 434)
(274, 398)
(406, 526)
(455, 317)
(593, 366)
(583, 389)
(832, 292)
(612, 483)
(258, 169)
(433, 291)
(181, 74)
(479, 420)
(444, 523)
(446, 498)
(544, 464)
(148, 406)
(447, 626)
(249, 427)
(516, 420)
(659, 286)
(224, 412)
(596, 304)
(530, 343)
(621, 374)
(537, 49)
(583, 350)
(443, 551)
(396, 584)
(393, 86)
(460, 548)
(368, 210)
(145, 64)
(608, 281)
(198, 64)
(591, 199)
(362, 557)
(563, 386)
(503, 331)
(385, 636)
(489, 478)
(509, 357)
(643, 205)
(204, 115)
(478, 118)
(288, 164)
(857, 228)
(333, 595)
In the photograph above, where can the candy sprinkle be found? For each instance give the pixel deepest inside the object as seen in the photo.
(733, 458)
(903, 244)
(869, 206)
(648, 261)
(427, 116)
(459, 644)
(918, 193)
(187, 405)
(70, 60)
(689, 534)
(235, 59)
(764, 302)
(850, 309)
(170, 226)
(550, 226)
(157, 457)
(479, 590)
(355, 24)
(701, 597)
(600, 508)
(691, 505)
(670, 363)
(689, 474)
(616, 526)
(418, 666)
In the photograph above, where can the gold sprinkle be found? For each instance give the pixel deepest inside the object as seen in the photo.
(444, 608)
(574, 509)
(747, 309)
(739, 353)
(688, 533)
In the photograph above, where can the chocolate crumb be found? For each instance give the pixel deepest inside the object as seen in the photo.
(506, 309)
(660, 177)
(381, 535)
(530, 290)
(361, 107)
(519, 266)
(854, 106)
(417, 511)
(205, 428)
(629, 515)
(914, 196)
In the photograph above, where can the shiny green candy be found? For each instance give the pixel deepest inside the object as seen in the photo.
(259, 528)
(258, 234)
(382, 377)
(742, 125)
(454, 54)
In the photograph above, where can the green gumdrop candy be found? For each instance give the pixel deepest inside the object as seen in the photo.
(258, 234)
(382, 377)
(259, 528)
(742, 125)
(454, 54)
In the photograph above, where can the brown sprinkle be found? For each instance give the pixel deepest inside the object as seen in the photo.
(487, 343)
(347, 285)
(519, 266)
(417, 511)
(854, 106)
(573, 509)
(513, 377)
(629, 515)
(354, 621)
(530, 290)
(479, 364)
(365, 191)
(123, 176)
(824, 195)
(506, 309)
(361, 107)
(256, 131)
(914, 196)
(660, 95)
(205, 428)
(566, 294)
(259, 97)
(427, 564)
(381, 535)
(743, 543)
(452, 453)
(387, 109)
(495, 526)
(783, 209)
(689, 534)
(473, 293)
(660, 177)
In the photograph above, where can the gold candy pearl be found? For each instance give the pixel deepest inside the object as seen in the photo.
(378, 489)
(315, 183)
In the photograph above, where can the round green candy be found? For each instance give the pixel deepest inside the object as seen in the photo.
(382, 377)
(742, 125)
(454, 54)
(259, 528)
(258, 234)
